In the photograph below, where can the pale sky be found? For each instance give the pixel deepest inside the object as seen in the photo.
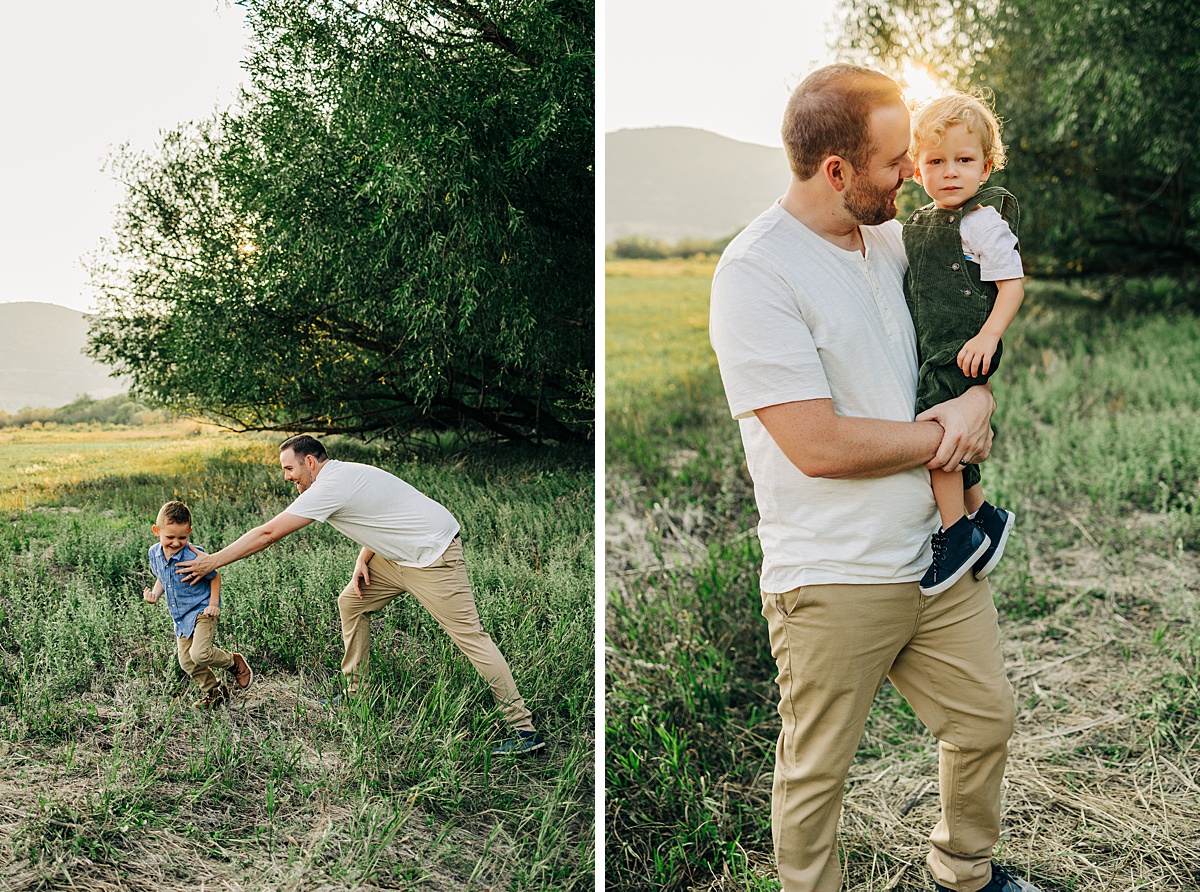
(719, 66)
(81, 77)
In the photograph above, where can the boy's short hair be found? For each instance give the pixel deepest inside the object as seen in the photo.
(829, 114)
(174, 512)
(303, 445)
(934, 118)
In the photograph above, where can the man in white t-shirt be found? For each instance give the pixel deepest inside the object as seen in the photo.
(410, 543)
(818, 357)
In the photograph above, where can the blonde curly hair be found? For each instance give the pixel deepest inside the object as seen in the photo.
(934, 118)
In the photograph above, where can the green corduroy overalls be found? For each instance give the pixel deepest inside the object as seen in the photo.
(948, 300)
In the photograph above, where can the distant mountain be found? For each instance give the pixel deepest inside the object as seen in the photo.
(670, 183)
(41, 363)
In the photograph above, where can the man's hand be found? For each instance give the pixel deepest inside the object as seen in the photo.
(212, 610)
(975, 357)
(360, 573)
(196, 569)
(150, 596)
(967, 422)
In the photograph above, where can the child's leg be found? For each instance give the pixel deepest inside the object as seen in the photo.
(203, 652)
(183, 650)
(202, 675)
(948, 493)
(973, 498)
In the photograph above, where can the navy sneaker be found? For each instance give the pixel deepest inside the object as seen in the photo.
(955, 551)
(332, 703)
(996, 523)
(523, 744)
(1001, 881)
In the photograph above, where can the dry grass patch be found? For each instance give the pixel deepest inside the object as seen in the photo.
(151, 795)
(1101, 789)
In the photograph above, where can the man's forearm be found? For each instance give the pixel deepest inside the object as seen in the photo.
(251, 542)
(861, 448)
(821, 443)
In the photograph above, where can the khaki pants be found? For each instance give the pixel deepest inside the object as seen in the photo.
(198, 657)
(445, 591)
(834, 646)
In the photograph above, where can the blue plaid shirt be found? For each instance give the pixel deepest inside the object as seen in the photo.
(185, 600)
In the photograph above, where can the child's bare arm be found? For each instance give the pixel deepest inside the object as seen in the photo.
(214, 601)
(151, 595)
(975, 357)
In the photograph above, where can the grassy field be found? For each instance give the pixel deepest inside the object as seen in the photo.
(112, 781)
(1097, 452)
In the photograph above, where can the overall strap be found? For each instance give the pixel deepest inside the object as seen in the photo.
(999, 198)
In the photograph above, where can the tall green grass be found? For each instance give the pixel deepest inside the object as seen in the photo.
(1096, 437)
(397, 790)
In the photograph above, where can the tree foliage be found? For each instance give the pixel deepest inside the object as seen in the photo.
(1097, 98)
(392, 231)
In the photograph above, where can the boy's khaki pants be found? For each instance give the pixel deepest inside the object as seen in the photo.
(198, 657)
(834, 645)
(445, 591)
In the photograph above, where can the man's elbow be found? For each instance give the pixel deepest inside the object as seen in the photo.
(822, 466)
(269, 534)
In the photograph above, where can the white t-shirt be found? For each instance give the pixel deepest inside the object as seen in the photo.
(794, 317)
(378, 510)
(988, 241)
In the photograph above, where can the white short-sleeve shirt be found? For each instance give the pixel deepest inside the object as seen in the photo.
(794, 317)
(989, 241)
(378, 510)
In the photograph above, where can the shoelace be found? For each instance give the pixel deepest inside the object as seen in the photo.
(939, 549)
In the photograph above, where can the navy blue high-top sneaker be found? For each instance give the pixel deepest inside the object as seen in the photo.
(996, 523)
(1001, 881)
(955, 551)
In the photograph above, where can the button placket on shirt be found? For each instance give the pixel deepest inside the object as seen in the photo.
(885, 310)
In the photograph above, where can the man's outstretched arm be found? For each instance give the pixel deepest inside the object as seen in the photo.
(822, 443)
(247, 544)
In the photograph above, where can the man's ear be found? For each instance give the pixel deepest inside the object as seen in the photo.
(834, 169)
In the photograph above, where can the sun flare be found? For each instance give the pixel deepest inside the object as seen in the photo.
(920, 83)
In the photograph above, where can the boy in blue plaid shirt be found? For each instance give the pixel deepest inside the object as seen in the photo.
(194, 608)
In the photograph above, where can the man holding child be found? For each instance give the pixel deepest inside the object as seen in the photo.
(819, 361)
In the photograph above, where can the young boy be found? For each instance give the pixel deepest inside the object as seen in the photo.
(963, 287)
(194, 607)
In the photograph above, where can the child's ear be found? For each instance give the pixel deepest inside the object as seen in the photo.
(917, 175)
(154, 528)
(987, 170)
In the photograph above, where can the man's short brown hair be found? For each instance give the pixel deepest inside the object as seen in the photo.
(303, 445)
(829, 114)
(174, 512)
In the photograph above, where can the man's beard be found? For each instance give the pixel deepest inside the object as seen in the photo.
(870, 205)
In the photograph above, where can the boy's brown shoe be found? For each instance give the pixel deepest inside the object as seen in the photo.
(241, 671)
(214, 698)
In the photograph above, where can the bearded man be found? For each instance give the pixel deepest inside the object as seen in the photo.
(819, 360)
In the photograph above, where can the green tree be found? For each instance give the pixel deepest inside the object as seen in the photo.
(391, 232)
(1096, 94)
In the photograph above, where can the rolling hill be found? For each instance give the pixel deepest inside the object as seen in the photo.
(41, 363)
(670, 183)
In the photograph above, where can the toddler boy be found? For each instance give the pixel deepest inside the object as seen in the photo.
(194, 607)
(964, 287)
